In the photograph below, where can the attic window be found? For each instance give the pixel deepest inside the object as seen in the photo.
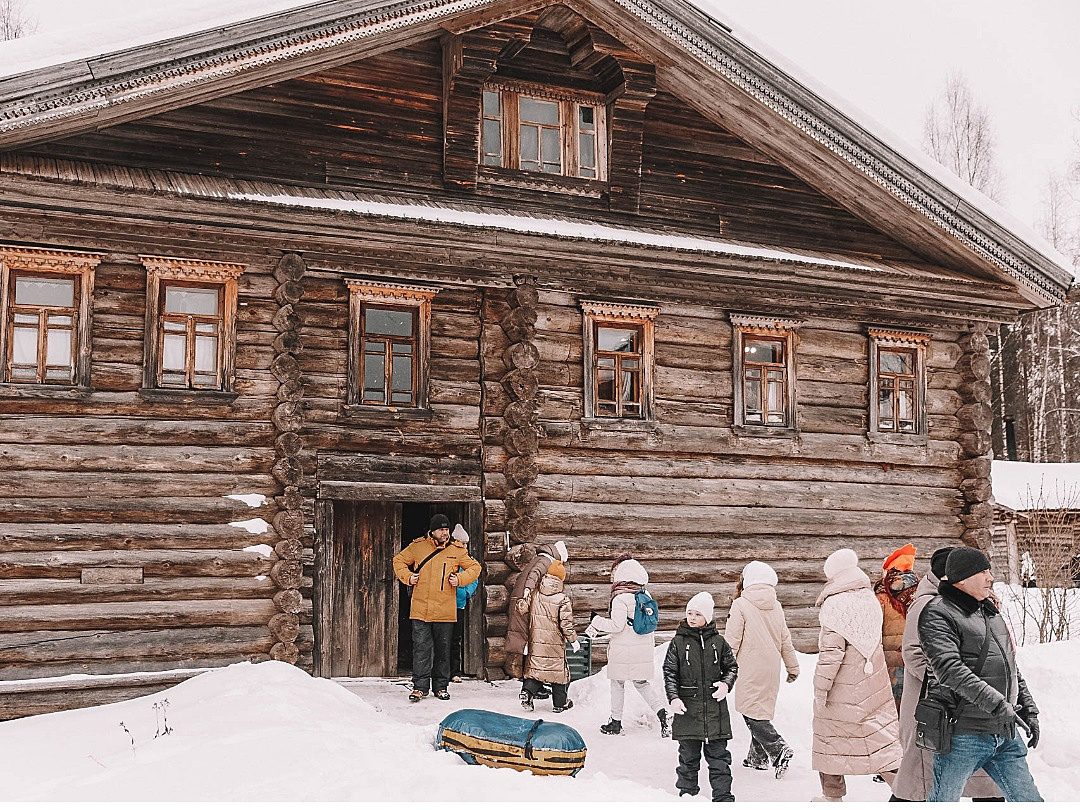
(539, 130)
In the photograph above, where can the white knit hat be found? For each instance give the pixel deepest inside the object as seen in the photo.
(703, 603)
(560, 549)
(840, 560)
(459, 533)
(758, 573)
(630, 571)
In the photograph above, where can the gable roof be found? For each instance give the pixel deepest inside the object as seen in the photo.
(740, 85)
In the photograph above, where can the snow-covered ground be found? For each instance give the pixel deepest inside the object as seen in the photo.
(270, 732)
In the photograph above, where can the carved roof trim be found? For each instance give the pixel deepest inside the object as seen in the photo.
(177, 269)
(48, 260)
(619, 309)
(546, 91)
(899, 337)
(389, 293)
(765, 323)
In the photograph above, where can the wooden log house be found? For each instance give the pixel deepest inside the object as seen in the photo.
(594, 271)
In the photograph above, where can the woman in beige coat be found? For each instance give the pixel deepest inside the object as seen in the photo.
(759, 637)
(856, 730)
(916, 774)
(551, 627)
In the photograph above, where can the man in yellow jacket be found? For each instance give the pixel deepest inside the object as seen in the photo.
(433, 568)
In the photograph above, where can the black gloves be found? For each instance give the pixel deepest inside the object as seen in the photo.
(1030, 724)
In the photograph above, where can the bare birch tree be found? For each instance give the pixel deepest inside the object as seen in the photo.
(15, 21)
(958, 134)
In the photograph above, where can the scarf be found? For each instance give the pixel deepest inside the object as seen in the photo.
(623, 587)
(849, 607)
(899, 587)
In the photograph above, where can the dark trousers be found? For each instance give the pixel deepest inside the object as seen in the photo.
(717, 757)
(765, 742)
(558, 690)
(432, 644)
(459, 643)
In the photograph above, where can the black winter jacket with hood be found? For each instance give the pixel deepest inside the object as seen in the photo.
(952, 629)
(696, 659)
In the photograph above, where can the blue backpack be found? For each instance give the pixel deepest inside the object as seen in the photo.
(646, 613)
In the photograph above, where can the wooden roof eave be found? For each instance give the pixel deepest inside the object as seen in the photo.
(749, 95)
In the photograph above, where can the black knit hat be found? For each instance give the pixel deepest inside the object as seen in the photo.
(439, 522)
(937, 561)
(965, 562)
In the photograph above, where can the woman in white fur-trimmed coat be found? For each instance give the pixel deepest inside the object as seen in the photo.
(630, 654)
(856, 730)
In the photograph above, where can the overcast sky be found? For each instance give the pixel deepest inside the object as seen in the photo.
(888, 57)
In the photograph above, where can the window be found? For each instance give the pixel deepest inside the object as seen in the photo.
(533, 129)
(897, 382)
(46, 298)
(618, 341)
(389, 326)
(191, 324)
(764, 372)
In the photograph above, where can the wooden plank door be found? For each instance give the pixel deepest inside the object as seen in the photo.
(363, 633)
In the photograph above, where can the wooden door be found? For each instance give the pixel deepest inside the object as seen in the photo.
(360, 594)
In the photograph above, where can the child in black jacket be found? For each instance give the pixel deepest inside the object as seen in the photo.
(699, 671)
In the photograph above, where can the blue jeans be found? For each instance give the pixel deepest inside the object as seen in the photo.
(1003, 758)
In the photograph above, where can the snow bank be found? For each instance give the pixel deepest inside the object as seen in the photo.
(253, 500)
(1021, 485)
(253, 526)
(270, 732)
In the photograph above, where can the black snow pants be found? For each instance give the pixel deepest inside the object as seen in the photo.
(717, 757)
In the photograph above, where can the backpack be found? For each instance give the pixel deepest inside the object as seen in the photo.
(646, 613)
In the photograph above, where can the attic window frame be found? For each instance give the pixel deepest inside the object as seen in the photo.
(569, 103)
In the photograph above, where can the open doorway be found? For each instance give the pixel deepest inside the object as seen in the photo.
(468, 635)
(362, 612)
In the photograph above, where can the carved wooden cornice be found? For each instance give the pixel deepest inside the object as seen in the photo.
(618, 309)
(47, 260)
(897, 337)
(191, 269)
(764, 323)
(382, 292)
(547, 91)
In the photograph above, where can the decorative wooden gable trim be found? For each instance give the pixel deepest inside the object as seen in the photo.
(47, 260)
(384, 293)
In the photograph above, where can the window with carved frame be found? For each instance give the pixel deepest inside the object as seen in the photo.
(764, 372)
(618, 356)
(190, 325)
(45, 305)
(898, 382)
(532, 128)
(390, 327)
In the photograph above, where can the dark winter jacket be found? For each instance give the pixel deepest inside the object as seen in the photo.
(952, 629)
(696, 659)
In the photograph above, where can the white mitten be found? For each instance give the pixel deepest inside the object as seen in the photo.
(721, 690)
(677, 706)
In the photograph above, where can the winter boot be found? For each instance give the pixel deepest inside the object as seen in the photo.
(612, 727)
(415, 696)
(782, 761)
(756, 764)
(557, 709)
(665, 724)
(543, 693)
(526, 701)
(442, 694)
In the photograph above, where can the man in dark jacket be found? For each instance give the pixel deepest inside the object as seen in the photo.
(699, 671)
(971, 653)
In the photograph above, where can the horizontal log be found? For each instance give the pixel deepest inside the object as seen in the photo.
(70, 591)
(136, 615)
(180, 563)
(357, 491)
(88, 458)
(130, 509)
(42, 537)
(114, 484)
(59, 646)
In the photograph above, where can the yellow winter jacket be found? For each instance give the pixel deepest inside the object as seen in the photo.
(434, 599)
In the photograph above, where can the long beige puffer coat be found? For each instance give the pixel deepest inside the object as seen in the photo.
(551, 626)
(916, 775)
(856, 730)
(759, 637)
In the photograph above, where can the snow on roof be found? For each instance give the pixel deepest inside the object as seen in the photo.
(1022, 486)
(544, 226)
